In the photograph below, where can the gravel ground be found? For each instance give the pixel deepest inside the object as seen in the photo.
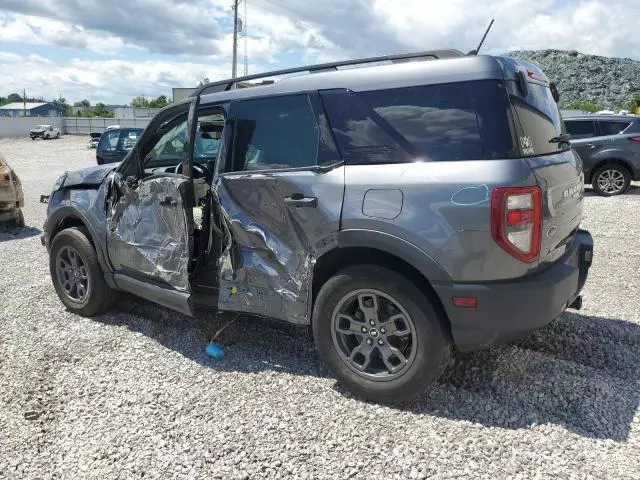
(131, 394)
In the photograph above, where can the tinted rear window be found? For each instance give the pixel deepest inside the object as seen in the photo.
(438, 121)
(580, 128)
(447, 122)
(537, 118)
(612, 128)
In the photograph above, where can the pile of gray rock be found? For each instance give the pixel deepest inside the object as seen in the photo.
(609, 82)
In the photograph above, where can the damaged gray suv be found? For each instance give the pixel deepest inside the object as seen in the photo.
(428, 202)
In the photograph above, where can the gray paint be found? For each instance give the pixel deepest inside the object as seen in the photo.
(457, 236)
(596, 151)
(148, 230)
(434, 215)
(273, 246)
(381, 203)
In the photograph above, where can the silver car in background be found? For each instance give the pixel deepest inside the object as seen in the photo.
(609, 146)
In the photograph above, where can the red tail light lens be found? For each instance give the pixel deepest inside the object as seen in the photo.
(635, 139)
(516, 221)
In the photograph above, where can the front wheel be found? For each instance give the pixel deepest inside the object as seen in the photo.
(611, 180)
(58, 135)
(76, 274)
(379, 334)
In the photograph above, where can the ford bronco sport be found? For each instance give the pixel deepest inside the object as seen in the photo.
(398, 209)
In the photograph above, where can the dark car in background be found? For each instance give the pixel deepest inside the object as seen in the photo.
(115, 143)
(609, 146)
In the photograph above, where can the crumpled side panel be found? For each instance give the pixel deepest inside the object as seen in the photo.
(148, 229)
(261, 271)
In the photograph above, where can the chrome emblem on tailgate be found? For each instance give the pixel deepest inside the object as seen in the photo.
(573, 191)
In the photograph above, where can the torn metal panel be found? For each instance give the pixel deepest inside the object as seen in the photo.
(11, 195)
(149, 230)
(266, 265)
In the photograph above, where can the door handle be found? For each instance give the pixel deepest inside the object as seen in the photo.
(299, 200)
(168, 202)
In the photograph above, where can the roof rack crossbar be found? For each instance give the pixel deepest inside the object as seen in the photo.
(227, 84)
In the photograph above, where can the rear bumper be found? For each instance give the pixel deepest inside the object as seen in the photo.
(508, 310)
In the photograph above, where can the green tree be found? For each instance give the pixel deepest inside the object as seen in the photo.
(203, 82)
(140, 102)
(583, 105)
(100, 110)
(14, 97)
(83, 104)
(159, 102)
(634, 104)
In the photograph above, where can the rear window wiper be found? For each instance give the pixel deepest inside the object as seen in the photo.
(560, 138)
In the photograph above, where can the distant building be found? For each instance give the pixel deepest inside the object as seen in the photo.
(20, 109)
(131, 112)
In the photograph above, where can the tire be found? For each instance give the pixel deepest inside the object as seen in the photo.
(429, 350)
(611, 179)
(19, 220)
(98, 295)
(57, 135)
(33, 138)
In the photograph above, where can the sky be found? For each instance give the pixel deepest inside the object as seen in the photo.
(112, 51)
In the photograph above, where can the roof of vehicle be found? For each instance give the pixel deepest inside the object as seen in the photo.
(414, 73)
(22, 105)
(622, 118)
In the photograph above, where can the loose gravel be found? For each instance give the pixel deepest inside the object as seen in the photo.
(131, 394)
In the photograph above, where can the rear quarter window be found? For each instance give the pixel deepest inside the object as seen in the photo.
(612, 128)
(537, 119)
(580, 128)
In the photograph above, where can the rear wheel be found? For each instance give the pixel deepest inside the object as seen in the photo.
(58, 135)
(379, 334)
(76, 274)
(19, 220)
(611, 180)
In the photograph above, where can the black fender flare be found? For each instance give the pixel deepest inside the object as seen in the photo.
(68, 211)
(396, 246)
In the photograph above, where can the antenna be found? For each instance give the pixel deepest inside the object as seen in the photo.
(475, 52)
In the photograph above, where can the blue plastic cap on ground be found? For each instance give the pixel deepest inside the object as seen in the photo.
(214, 350)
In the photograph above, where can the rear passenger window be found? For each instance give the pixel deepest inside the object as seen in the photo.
(612, 128)
(109, 141)
(275, 133)
(580, 129)
(446, 122)
(360, 138)
(438, 121)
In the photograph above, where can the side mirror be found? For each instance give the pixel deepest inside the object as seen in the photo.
(554, 91)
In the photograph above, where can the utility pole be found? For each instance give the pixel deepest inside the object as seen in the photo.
(234, 72)
(24, 102)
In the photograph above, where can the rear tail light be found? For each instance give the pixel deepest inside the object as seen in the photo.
(635, 139)
(516, 221)
(99, 159)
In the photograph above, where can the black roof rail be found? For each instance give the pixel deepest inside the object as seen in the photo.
(223, 85)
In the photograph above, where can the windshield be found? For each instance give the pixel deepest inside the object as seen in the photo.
(43, 127)
(540, 126)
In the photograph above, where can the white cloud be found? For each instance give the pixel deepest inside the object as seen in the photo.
(192, 38)
(110, 81)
